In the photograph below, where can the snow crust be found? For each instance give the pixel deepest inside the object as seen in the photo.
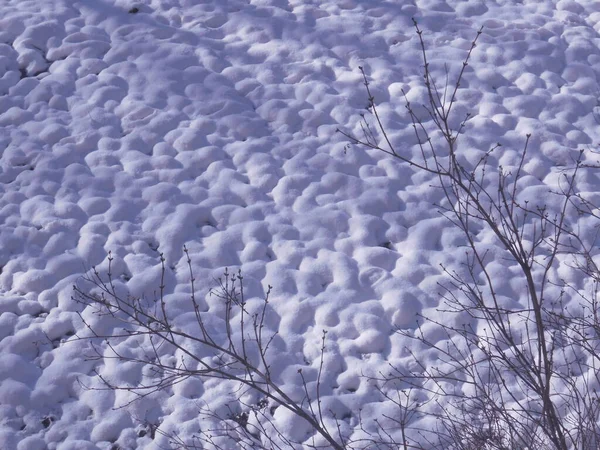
(212, 124)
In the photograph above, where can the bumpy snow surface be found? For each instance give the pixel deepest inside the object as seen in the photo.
(141, 127)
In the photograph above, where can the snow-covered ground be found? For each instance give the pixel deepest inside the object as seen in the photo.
(140, 127)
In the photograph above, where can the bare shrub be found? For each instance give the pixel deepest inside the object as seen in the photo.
(526, 375)
(237, 352)
(520, 373)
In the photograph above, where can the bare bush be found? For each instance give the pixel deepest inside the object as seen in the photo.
(514, 373)
(237, 353)
(526, 374)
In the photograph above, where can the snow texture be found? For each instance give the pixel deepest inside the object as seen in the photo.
(138, 127)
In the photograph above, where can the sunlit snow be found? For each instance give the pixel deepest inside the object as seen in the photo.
(140, 127)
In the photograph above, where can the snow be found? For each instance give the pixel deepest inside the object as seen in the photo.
(212, 125)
